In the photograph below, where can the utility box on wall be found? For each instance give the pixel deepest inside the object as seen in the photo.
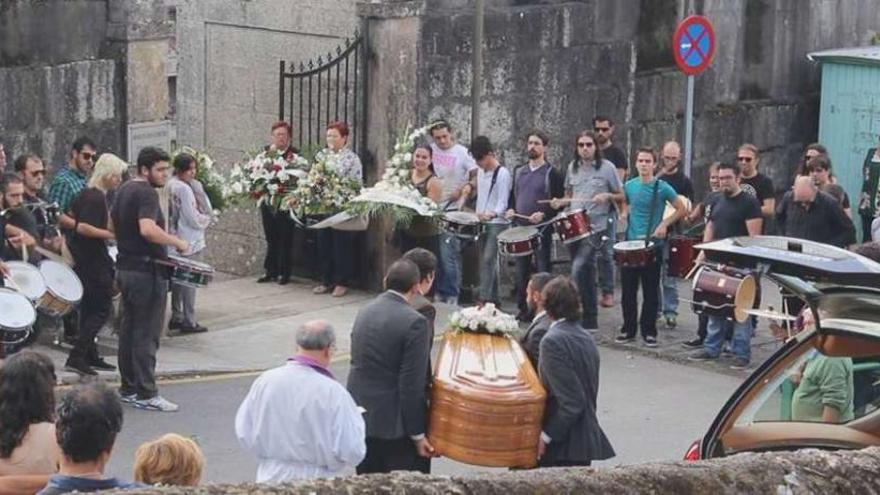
(849, 112)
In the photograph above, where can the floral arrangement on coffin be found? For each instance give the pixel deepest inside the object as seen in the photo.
(483, 319)
(266, 178)
(323, 191)
(394, 195)
(212, 181)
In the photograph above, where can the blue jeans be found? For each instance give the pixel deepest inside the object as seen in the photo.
(670, 286)
(489, 262)
(605, 257)
(741, 344)
(583, 272)
(448, 281)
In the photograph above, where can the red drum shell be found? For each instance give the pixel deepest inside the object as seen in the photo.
(518, 241)
(626, 255)
(572, 226)
(682, 255)
(726, 294)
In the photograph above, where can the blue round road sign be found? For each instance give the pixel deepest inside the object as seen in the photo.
(693, 44)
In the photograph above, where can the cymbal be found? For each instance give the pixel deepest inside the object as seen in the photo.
(764, 313)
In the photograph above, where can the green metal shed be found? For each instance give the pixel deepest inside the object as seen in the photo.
(849, 111)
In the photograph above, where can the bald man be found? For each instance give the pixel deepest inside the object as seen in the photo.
(805, 212)
(297, 420)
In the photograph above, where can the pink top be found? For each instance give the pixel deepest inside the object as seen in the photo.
(38, 452)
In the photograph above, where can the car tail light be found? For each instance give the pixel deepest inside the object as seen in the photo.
(693, 453)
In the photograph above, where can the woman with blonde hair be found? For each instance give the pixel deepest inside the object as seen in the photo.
(92, 262)
(169, 460)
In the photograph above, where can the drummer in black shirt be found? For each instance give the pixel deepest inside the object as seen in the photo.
(93, 265)
(734, 213)
(141, 238)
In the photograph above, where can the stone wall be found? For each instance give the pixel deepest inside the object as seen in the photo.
(58, 79)
(227, 91)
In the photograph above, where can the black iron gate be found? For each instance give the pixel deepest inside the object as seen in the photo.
(320, 91)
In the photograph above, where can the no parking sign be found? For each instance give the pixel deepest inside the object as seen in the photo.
(693, 44)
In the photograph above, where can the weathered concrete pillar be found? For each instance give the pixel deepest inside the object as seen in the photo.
(392, 30)
(140, 32)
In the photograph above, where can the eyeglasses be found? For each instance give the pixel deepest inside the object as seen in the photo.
(586, 145)
(87, 156)
(601, 129)
(746, 159)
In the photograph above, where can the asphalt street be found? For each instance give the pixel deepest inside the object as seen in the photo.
(650, 409)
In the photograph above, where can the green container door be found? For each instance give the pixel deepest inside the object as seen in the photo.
(849, 120)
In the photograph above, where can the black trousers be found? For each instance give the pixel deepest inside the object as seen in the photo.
(144, 299)
(278, 230)
(336, 256)
(94, 309)
(630, 279)
(399, 454)
(867, 220)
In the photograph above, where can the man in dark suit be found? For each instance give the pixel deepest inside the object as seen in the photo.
(569, 370)
(531, 340)
(390, 347)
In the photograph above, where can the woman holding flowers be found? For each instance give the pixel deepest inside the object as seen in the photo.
(336, 257)
(423, 231)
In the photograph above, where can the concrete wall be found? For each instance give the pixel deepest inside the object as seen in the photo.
(58, 80)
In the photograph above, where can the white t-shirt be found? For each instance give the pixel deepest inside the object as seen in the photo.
(452, 167)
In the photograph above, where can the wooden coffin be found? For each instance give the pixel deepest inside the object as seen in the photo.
(487, 402)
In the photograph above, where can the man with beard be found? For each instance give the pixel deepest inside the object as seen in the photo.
(604, 128)
(70, 180)
(32, 171)
(733, 214)
(141, 239)
(670, 171)
(755, 183)
(19, 220)
(534, 183)
(277, 225)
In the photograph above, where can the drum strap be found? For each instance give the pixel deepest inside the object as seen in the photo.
(653, 210)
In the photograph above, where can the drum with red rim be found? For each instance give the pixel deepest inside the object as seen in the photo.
(519, 241)
(682, 255)
(572, 226)
(634, 254)
(728, 293)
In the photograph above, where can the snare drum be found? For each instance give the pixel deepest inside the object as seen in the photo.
(519, 241)
(462, 224)
(63, 289)
(572, 226)
(727, 294)
(634, 254)
(17, 315)
(26, 279)
(682, 255)
(189, 273)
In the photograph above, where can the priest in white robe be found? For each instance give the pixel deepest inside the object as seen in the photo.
(297, 420)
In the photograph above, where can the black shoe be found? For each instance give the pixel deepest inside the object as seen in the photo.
(284, 280)
(624, 339)
(650, 341)
(100, 364)
(175, 325)
(79, 367)
(692, 344)
(266, 278)
(194, 329)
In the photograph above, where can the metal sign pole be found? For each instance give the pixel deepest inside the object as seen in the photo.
(477, 81)
(689, 126)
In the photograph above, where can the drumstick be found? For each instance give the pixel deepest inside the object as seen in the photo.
(562, 200)
(12, 284)
(49, 254)
(524, 217)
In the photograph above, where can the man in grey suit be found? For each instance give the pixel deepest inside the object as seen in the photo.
(390, 345)
(531, 340)
(569, 370)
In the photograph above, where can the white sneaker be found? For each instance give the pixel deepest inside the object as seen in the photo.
(157, 403)
(128, 399)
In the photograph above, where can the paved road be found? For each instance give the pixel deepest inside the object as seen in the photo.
(650, 409)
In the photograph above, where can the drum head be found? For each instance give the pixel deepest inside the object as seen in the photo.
(61, 280)
(26, 279)
(463, 217)
(745, 298)
(16, 312)
(635, 245)
(518, 234)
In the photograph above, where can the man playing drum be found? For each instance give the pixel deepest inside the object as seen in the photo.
(591, 184)
(734, 213)
(645, 197)
(533, 182)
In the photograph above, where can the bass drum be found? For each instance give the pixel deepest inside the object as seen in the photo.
(727, 293)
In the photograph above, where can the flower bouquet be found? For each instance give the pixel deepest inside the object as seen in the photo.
(394, 194)
(212, 181)
(483, 319)
(267, 177)
(322, 192)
